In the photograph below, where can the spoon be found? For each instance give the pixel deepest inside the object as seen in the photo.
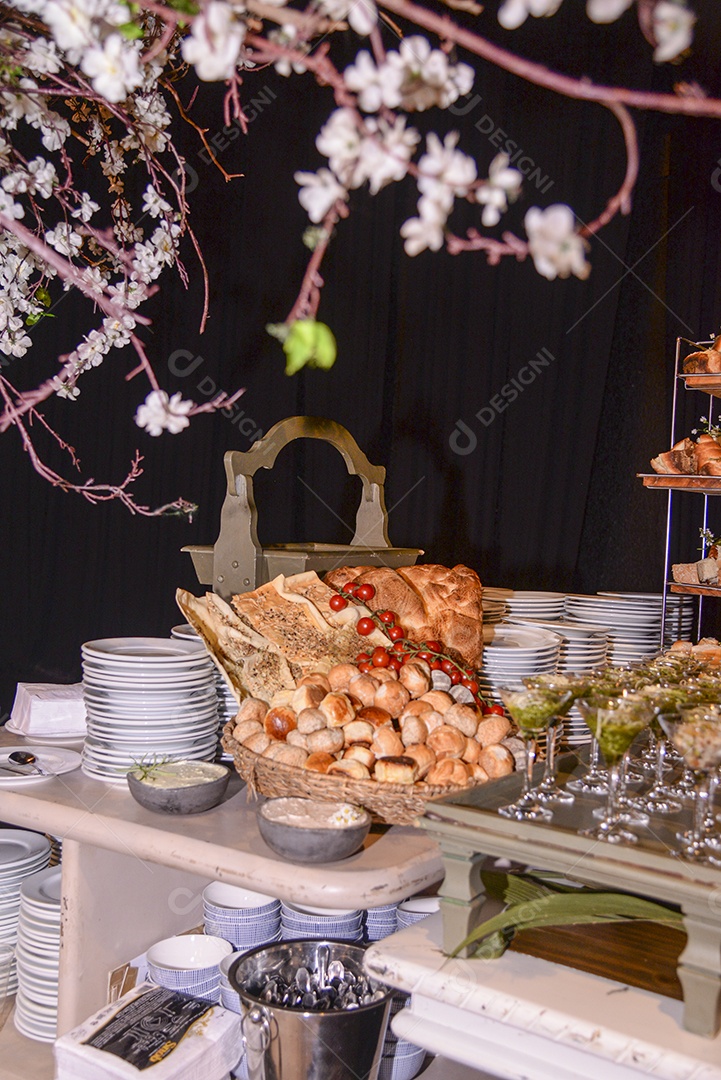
(23, 757)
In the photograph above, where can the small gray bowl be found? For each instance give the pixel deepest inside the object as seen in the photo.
(304, 844)
(191, 799)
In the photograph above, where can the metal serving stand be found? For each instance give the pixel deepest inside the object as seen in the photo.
(237, 563)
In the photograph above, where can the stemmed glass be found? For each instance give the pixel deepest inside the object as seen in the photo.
(532, 710)
(696, 733)
(615, 722)
(549, 791)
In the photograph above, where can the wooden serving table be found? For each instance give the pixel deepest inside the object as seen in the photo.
(131, 877)
(468, 829)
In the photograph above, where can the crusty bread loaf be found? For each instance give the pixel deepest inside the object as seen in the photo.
(680, 459)
(431, 602)
(704, 362)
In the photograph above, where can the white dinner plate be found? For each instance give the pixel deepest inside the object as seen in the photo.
(54, 759)
(49, 738)
(18, 846)
(142, 649)
(44, 888)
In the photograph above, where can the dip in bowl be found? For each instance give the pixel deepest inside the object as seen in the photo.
(313, 831)
(179, 787)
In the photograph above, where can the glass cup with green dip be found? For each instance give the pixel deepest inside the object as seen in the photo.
(532, 710)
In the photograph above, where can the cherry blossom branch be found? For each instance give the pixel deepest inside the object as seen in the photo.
(621, 201)
(306, 304)
(580, 89)
(495, 249)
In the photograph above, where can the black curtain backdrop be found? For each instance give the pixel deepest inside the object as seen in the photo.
(539, 494)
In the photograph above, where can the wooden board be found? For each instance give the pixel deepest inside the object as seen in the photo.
(696, 590)
(641, 954)
(710, 484)
(709, 384)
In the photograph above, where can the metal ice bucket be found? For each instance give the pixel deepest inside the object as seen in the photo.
(290, 1044)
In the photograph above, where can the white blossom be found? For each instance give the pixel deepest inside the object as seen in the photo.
(113, 67)
(556, 247)
(8, 207)
(375, 86)
(503, 185)
(427, 79)
(43, 177)
(673, 25)
(286, 35)
(64, 239)
(92, 349)
(86, 209)
(513, 13)
(71, 24)
(214, 42)
(606, 11)
(118, 330)
(159, 413)
(361, 14)
(443, 169)
(153, 203)
(14, 342)
(41, 56)
(55, 129)
(340, 141)
(67, 390)
(421, 233)
(384, 153)
(318, 192)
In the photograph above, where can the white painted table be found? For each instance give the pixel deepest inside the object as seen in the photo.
(521, 1018)
(131, 877)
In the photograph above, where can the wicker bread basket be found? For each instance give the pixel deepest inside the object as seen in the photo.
(394, 804)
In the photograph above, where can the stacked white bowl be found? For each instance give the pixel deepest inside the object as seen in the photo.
(189, 964)
(513, 652)
(380, 922)
(338, 924)
(401, 1060)
(38, 955)
(22, 853)
(146, 698)
(245, 918)
(416, 908)
(227, 704)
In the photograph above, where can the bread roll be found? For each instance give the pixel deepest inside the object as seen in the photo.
(518, 750)
(492, 730)
(385, 674)
(245, 729)
(472, 752)
(478, 773)
(432, 720)
(296, 738)
(316, 678)
(340, 675)
(311, 720)
(354, 770)
(463, 717)
(307, 696)
(279, 721)
(318, 762)
(358, 731)
(413, 730)
(337, 709)
(449, 771)
(446, 742)
(416, 708)
(497, 760)
(393, 697)
(252, 709)
(387, 743)
(290, 755)
(364, 688)
(377, 717)
(360, 752)
(396, 770)
(415, 679)
(281, 699)
(423, 757)
(439, 700)
(257, 743)
(329, 741)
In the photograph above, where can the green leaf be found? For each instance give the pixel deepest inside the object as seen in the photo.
(576, 909)
(309, 343)
(34, 318)
(43, 296)
(131, 31)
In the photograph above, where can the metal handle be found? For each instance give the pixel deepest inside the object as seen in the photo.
(237, 552)
(256, 1040)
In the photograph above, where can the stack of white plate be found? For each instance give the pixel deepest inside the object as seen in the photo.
(246, 919)
(527, 604)
(21, 854)
(56, 849)
(146, 698)
(513, 652)
(380, 922)
(632, 621)
(38, 956)
(416, 908)
(227, 704)
(493, 610)
(583, 647)
(338, 924)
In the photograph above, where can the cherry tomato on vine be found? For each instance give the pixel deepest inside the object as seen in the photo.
(434, 646)
(363, 658)
(435, 665)
(395, 663)
(365, 626)
(337, 602)
(350, 587)
(380, 657)
(470, 684)
(387, 617)
(455, 677)
(395, 633)
(493, 710)
(365, 592)
(399, 647)
(448, 666)
(366, 667)
(424, 655)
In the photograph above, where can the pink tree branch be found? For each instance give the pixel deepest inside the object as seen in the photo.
(306, 304)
